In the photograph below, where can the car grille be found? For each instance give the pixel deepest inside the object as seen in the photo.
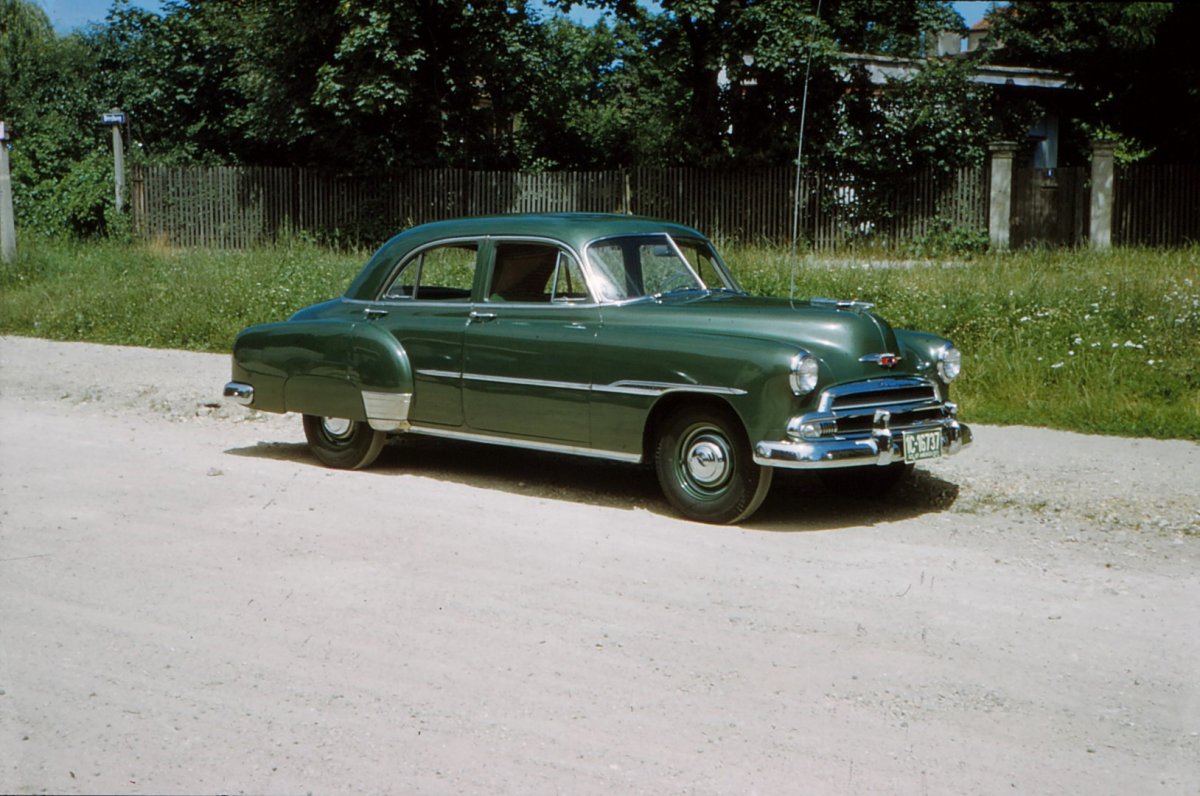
(855, 409)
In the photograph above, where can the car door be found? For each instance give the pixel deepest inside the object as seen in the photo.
(528, 345)
(426, 308)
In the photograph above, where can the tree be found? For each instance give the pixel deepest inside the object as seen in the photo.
(734, 71)
(1132, 61)
(173, 75)
(603, 97)
(62, 181)
(372, 84)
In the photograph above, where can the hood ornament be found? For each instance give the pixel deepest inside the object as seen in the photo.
(842, 304)
(882, 360)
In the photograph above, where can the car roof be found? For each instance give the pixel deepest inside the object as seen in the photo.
(573, 229)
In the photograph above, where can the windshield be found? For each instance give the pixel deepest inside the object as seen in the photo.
(654, 265)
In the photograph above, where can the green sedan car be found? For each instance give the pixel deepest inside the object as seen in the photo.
(608, 336)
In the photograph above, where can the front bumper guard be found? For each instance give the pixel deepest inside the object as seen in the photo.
(884, 446)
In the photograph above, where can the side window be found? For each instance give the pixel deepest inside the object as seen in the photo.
(534, 272)
(608, 264)
(439, 273)
(568, 280)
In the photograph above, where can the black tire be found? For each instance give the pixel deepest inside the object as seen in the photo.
(871, 481)
(705, 467)
(344, 444)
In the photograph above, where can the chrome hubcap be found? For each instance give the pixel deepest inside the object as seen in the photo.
(337, 427)
(706, 460)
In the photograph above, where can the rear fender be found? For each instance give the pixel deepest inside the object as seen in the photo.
(327, 367)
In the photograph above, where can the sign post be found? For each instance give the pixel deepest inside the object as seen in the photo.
(114, 119)
(8, 229)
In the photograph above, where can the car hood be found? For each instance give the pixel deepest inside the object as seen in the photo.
(838, 334)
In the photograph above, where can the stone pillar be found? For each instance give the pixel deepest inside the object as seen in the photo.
(1000, 207)
(1102, 195)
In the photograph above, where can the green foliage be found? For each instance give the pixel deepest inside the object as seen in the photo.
(936, 120)
(365, 85)
(61, 164)
(946, 239)
(1131, 60)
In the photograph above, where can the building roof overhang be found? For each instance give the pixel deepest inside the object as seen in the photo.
(883, 69)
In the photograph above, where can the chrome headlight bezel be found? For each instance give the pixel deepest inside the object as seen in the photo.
(805, 373)
(949, 364)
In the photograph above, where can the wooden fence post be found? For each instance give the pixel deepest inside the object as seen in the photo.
(1000, 207)
(138, 197)
(8, 229)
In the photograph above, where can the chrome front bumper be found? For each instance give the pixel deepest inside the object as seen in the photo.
(883, 447)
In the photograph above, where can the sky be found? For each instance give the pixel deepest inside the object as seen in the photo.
(66, 15)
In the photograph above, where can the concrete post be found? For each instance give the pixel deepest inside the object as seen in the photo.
(8, 229)
(118, 162)
(1102, 195)
(1000, 207)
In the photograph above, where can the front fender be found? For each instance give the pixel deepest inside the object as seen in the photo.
(922, 350)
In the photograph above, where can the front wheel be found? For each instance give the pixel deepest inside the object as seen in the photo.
(705, 467)
(344, 444)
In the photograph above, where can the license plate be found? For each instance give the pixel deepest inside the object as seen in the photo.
(922, 445)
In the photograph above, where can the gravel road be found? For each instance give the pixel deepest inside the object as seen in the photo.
(190, 604)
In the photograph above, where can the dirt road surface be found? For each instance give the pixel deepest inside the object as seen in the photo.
(190, 604)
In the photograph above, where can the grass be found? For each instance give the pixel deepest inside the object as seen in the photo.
(163, 298)
(1093, 342)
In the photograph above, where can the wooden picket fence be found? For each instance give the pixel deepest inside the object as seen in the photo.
(1156, 205)
(236, 207)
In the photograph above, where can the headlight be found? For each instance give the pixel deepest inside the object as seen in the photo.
(949, 363)
(804, 373)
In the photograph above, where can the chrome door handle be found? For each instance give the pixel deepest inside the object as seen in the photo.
(370, 313)
(480, 317)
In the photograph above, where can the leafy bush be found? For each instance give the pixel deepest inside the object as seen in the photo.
(946, 239)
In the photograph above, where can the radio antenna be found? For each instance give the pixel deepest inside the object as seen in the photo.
(800, 161)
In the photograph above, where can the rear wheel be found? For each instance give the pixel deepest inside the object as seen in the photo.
(341, 443)
(705, 467)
